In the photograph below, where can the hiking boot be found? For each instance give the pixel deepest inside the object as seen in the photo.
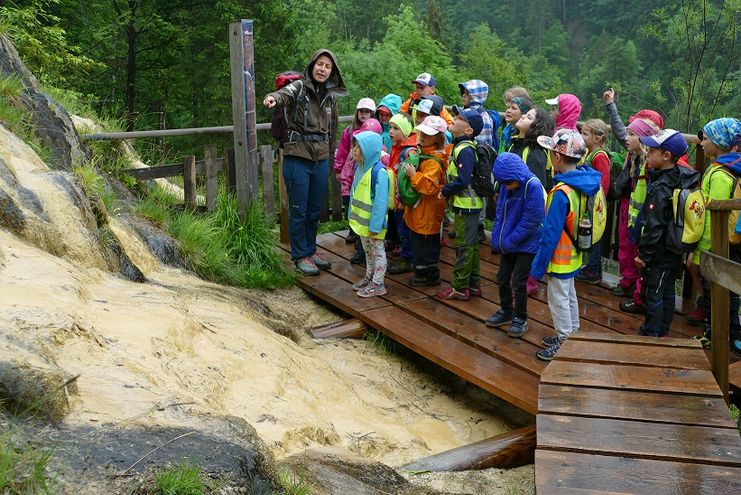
(351, 237)
(358, 258)
(372, 290)
(396, 253)
(307, 266)
(549, 353)
(450, 293)
(360, 284)
(518, 328)
(589, 278)
(621, 291)
(474, 291)
(320, 262)
(630, 306)
(417, 281)
(550, 340)
(402, 265)
(697, 317)
(498, 319)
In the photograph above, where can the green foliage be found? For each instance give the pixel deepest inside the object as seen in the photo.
(95, 186)
(383, 343)
(332, 226)
(183, 479)
(293, 484)
(23, 466)
(16, 118)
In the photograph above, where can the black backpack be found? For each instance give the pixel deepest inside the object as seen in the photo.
(481, 180)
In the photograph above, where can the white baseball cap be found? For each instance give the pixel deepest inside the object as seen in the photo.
(366, 104)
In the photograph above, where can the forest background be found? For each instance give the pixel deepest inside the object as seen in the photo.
(149, 64)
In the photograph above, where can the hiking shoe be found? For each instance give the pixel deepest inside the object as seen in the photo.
(402, 265)
(697, 317)
(621, 291)
(396, 253)
(451, 293)
(320, 262)
(589, 278)
(474, 291)
(630, 306)
(358, 258)
(498, 319)
(360, 284)
(372, 290)
(549, 353)
(518, 328)
(351, 237)
(424, 281)
(550, 340)
(307, 266)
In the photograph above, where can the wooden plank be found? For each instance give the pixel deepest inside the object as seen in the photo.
(734, 374)
(501, 379)
(283, 198)
(724, 205)
(346, 329)
(212, 177)
(635, 339)
(189, 181)
(633, 354)
(638, 440)
(630, 378)
(512, 449)
(339, 294)
(634, 405)
(268, 191)
(721, 271)
(720, 306)
(575, 473)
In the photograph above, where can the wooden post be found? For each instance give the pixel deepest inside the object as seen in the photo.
(268, 191)
(189, 182)
(720, 310)
(229, 173)
(241, 52)
(212, 178)
(283, 196)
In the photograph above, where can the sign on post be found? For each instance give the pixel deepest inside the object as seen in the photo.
(242, 64)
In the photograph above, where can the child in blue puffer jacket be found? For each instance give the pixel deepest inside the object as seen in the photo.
(517, 227)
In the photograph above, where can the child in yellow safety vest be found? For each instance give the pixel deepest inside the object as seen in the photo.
(557, 253)
(466, 205)
(368, 209)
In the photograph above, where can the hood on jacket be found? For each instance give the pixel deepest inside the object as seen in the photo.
(584, 179)
(478, 90)
(334, 83)
(370, 144)
(392, 102)
(509, 167)
(569, 108)
(731, 160)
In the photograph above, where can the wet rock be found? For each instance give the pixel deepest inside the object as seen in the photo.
(162, 246)
(41, 392)
(332, 472)
(11, 216)
(51, 122)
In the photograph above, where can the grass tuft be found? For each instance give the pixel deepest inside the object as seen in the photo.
(183, 479)
(23, 467)
(292, 483)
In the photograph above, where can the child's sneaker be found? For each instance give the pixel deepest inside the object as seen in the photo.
(589, 278)
(518, 328)
(498, 319)
(621, 291)
(549, 353)
(452, 293)
(401, 265)
(307, 266)
(549, 340)
(372, 290)
(360, 284)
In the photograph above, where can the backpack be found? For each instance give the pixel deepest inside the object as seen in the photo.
(734, 234)
(688, 210)
(481, 180)
(392, 186)
(407, 194)
(596, 205)
(616, 162)
(279, 122)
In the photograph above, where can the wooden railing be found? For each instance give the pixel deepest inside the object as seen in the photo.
(724, 275)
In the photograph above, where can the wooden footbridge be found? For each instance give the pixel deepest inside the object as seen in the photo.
(640, 414)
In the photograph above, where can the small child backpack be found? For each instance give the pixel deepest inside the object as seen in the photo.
(688, 208)
(407, 194)
(481, 180)
(391, 203)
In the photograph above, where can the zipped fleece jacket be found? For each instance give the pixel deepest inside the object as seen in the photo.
(322, 115)
(520, 212)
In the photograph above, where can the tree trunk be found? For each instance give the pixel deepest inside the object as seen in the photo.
(131, 38)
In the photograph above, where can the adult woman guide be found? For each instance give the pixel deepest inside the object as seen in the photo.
(311, 111)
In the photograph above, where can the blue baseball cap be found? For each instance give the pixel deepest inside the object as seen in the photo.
(473, 117)
(668, 140)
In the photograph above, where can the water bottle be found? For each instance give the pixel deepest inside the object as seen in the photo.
(584, 237)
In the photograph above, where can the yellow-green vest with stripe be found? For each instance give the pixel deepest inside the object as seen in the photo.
(638, 196)
(361, 206)
(565, 258)
(466, 199)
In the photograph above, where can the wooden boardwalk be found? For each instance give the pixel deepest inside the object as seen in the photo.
(624, 414)
(452, 333)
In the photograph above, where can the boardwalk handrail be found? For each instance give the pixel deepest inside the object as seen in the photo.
(724, 274)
